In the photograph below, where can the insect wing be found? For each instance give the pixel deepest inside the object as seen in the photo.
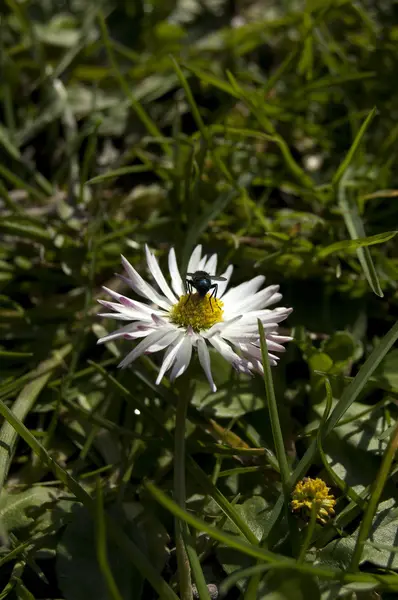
(214, 278)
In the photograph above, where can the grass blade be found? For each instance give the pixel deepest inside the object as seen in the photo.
(356, 230)
(354, 147)
(354, 244)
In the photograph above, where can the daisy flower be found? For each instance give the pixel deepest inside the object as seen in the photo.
(179, 322)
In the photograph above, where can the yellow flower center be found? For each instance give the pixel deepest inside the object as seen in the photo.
(199, 313)
(310, 493)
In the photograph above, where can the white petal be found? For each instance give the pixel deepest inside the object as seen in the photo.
(220, 327)
(183, 358)
(202, 263)
(168, 340)
(194, 260)
(204, 359)
(222, 286)
(169, 358)
(142, 287)
(257, 301)
(244, 290)
(210, 265)
(143, 346)
(158, 275)
(281, 339)
(176, 281)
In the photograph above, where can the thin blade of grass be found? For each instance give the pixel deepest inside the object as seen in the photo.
(102, 555)
(356, 230)
(348, 245)
(354, 147)
(274, 417)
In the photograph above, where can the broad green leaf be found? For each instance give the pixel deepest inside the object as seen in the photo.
(254, 512)
(387, 371)
(23, 510)
(236, 395)
(348, 245)
(381, 546)
(288, 585)
(78, 573)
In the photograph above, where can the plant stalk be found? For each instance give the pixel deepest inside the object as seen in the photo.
(184, 569)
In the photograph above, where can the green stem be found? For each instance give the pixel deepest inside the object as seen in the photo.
(274, 418)
(184, 569)
(308, 535)
(370, 511)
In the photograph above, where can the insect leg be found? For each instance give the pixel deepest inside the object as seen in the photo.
(189, 290)
(213, 294)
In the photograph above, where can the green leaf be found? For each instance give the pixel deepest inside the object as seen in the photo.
(23, 510)
(381, 546)
(348, 245)
(254, 512)
(320, 362)
(78, 573)
(387, 371)
(235, 395)
(288, 585)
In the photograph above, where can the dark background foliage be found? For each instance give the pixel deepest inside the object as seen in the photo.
(267, 131)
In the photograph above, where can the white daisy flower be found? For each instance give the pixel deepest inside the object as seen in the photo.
(178, 322)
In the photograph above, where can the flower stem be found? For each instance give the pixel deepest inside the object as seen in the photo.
(184, 569)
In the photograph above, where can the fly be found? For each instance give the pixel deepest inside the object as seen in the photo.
(202, 282)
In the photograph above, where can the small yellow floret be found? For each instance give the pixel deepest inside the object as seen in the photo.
(309, 492)
(199, 313)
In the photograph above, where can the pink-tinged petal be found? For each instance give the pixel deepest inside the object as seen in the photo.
(244, 290)
(158, 275)
(204, 359)
(150, 340)
(222, 286)
(169, 358)
(194, 260)
(139, 306)
(138, 334)
(183, 358)
(124, 310)
(228, 354)
(210, 265)
(141, 287)
(126, 330)
(176, 281)
(116, 316)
